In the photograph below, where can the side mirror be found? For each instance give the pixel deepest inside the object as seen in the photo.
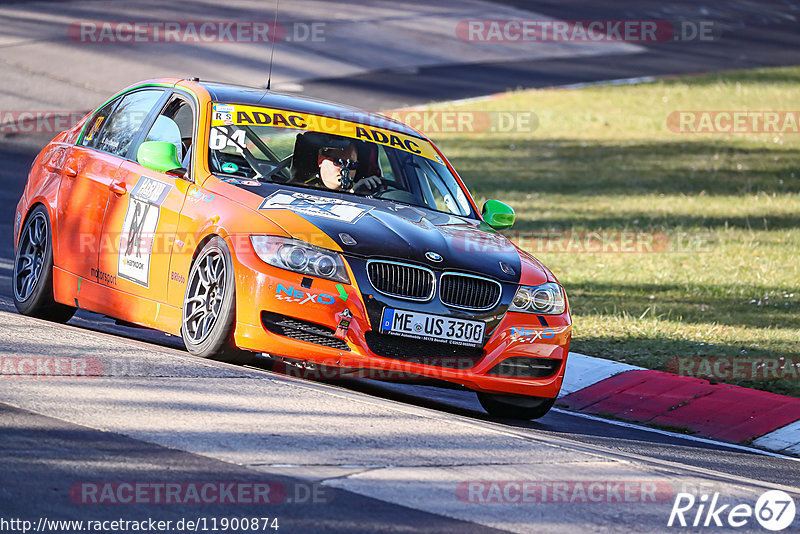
(498, 215)
(159, 156)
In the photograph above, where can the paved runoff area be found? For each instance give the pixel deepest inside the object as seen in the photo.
(119, 428)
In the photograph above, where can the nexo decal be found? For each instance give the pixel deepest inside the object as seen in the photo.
(292, 294)
(526, 334)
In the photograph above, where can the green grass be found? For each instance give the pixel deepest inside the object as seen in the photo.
(603, 159)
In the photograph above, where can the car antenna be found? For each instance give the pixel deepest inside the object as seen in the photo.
(274, 38)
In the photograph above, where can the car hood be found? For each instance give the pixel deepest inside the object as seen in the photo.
(378, 228)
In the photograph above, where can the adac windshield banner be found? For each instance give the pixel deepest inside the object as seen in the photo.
(240, 115)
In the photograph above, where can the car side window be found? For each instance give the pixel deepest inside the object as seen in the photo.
(175, 124)
(119, 129)
(97, 122)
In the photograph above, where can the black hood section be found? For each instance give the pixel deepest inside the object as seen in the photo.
(391, 230)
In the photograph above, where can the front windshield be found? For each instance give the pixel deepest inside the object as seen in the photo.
(327, 153)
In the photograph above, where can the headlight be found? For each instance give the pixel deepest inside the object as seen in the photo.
(301, 257)
(546, 299)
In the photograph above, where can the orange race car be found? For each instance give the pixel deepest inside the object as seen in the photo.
(248, 221)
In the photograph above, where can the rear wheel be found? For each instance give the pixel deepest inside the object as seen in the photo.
(209, 306)
(33, 271)
(510, 407)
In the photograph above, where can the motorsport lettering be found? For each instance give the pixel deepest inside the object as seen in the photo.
(226, 114)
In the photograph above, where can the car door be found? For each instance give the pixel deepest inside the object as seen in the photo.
(88, 171)
(142, 214)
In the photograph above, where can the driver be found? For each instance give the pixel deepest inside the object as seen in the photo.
(337, 171)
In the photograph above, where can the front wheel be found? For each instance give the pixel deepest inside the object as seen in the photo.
(209, 306)
(33, 271)
(509, 407)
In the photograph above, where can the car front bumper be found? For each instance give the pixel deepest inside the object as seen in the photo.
(274, 305)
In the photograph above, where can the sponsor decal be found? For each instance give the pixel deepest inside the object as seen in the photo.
(302, 296)
(238, 181)
(177, 277)
(104, 277)
(16, 223)
(141, 221)
(531, 334)
(229, 167)
(332, 124)
(96, 126)
(223, 113)
(195, 195)
(326, 207)
(225, 118)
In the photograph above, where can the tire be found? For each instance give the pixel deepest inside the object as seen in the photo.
(509, 407)
(209, 306)
(33, 270)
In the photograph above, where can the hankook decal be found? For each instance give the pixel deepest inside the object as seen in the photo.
(139, 228)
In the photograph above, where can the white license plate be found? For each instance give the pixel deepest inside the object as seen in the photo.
(432, 327)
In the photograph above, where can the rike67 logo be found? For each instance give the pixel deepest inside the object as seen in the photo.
(774, 510)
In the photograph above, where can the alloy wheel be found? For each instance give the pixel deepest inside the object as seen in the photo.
(32, 251)
(205, 295)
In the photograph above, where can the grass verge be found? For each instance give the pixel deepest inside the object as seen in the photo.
(725, 208)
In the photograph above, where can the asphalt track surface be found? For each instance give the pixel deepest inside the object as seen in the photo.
(41, 448)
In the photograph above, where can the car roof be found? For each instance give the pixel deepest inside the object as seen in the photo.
(240, 94)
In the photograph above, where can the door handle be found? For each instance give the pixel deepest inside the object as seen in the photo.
(70, 171)
(118, 188)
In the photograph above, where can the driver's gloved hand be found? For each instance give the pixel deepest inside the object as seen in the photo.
(367, 185)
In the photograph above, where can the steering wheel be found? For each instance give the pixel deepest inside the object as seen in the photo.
(384, 188)
(265, 169)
